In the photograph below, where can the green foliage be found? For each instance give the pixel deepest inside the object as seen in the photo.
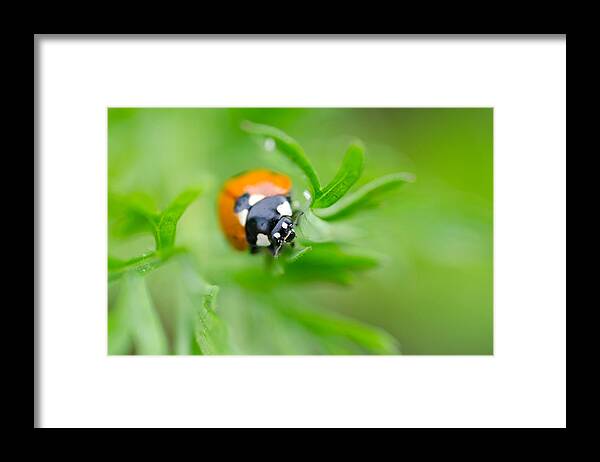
(348, 174)
(298, 254)
(134, 321)
(290, 148)
(336, 331)
(132, 214)
(142, 264)
(365, 197)
(167, 223)
(327, 262)
(334, 200)
(137, 213)
(211, 333)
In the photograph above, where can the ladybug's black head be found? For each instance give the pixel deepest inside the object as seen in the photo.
(267, 221)
(282, 232)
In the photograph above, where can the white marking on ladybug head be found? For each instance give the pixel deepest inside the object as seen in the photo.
(242, 216)
(285, 209)
(276, 235)
(254, 198)
(262, 240)
(284, 225)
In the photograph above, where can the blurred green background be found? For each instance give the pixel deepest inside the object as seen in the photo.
(433, 288)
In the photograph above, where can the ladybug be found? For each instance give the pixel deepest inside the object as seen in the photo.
(255, 211)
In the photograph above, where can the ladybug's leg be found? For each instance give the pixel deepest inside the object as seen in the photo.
(296, 216)
(254, 249)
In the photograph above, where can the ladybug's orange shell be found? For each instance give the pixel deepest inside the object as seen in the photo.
(264, 182)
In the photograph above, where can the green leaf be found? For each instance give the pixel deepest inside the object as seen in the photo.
(134, 320)
(120, 340)
(298, 254)
(210, 330)
(288, 147)
(366, 196)
(167, 224)
(132, 214)
(371, 339)
(199, 298)
(311, 228)
(149, 336)
(183, 340)
(348, 174)
(327, 262)
(142, 264)
(135, 213)
(140, 209)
